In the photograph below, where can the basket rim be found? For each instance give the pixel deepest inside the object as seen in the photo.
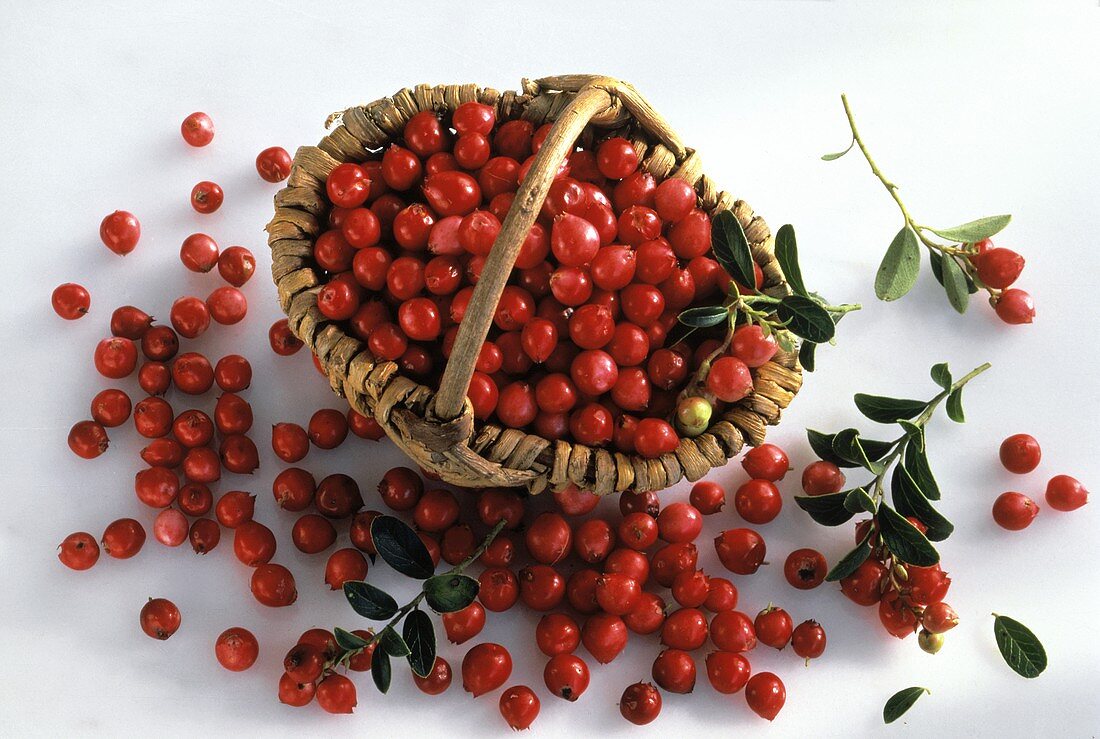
(401, 405)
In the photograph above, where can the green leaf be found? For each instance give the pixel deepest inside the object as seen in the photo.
(974, 231)
(837, 155)
(900, 266)
(822, 444)
(348, 640)
(857, 500)
(806, 318)
(451, 592)
(392, 643)
(380, 670)
(865, 460)
(369, 601)
(936, 260)
(913, 431)
(903, 539)
(1021, 649)
(955, 284)
(900, 702)
(910, 500)
(401, 548)
(881, 409)
(875, 450)
(731, 247)
(941, 375)
(420, 636)
(844, 448)
(955, 406)
(915, 460)
(852, 560)
(786, 253)
(827, 510)
(806, 355)
(704, 316)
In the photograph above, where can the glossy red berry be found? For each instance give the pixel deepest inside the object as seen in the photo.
(654, 437)
(691, 588)
(1065, 493)
(729, 379)
(282, 339)
(160, 618)
(758, 501)
(199, 253)
(1020, 453)
(774, 627)
(805, 569)
(822, 478)
(604, 635)
(765, 694)
(674, 670)
(273, 585)
(685, 629)
(640, 703)
(727, 671)
(766, 462)
(1014, 511)
(708, 497)
(70, 301)
(197, 129)
(120, 232)
(674, 199)
(336, 694)
(115, 358)
(808, 640)
(461, 626)
(236, 649)
(273, 164)
(485, 668)
(345, 565)
(294, 693)
(204, 535)
(206, 197)
(741, 551)
(519, 706)
(236, 265)
(593, 540)
(566, 676)
(1015, 307)
(123, 538)
(617, 593)
(170, 527)
(679, 522)
(999, 268)
(556, 634)
(78, 551)
(864, 586)
(88, 439)
(348, 185)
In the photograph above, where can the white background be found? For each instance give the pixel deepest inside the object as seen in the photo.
(973, 108)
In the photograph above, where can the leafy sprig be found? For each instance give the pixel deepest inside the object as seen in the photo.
(450, 591)
(900, 465)
(900, 702)
(802, 313)
(951, 262)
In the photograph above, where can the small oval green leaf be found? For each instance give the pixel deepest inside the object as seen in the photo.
(451, 592)
(1021, 649)
(941, 375)
(902, 538)
(348, 640)
(852, 560)
(857, 500)
(827, 510)
(974, 231)
(419, 635)
(380, 670)
(955, 406)
(401, 548)
(844, 448)
(369, 601)
(881, 409)
(392, 643)
(955, 284)
(704, 316)
(786, 253)
(806, 318)
(909, 500)
(915, 459)
(900, 702)
(731, 247)
(900, 266)
(837, 155)
(806, 355)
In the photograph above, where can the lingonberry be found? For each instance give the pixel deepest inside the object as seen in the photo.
(616, 158)
(604, 635)
(170, 527)
(729, 379)
(323, 639)
(573, 240)
(485, 668)
(192, 373)
(238, 454)
(708, 497)
(156, 487)
(632, 392)
(642, 304)
(336, 694)
(708, 275)
(338, 496)
(1015, 306)
(294, 693)
(457, 543)
(500, 553)
(130, 322)
(674, 199)
(236, 265)
(193, 428)
(344, 565)
(674, 670)
(721, 595)
(1020, 453)
(1065, 493)
(640, 703)
(232, 414)
(461, 626)
(153, 417)
(541, 587)
(159, 343)
(236, 649)
(116, 357)
(758, 501)
(571, 286)
(273, 164)
(88, 439)
(637, 224)
(629, 345)
(360, 531)
(572, 501)
(206, 197)
(253, 544)
(805, 569)
(808, 640)
(864, 586)
(227, 305)
(645, 502)
(669, 561)
(999, 268)
(361, 662)
(580, 590)
(556, 634)
(160, 618)
(199, 253)
(348, 185)
(273, 585)
(338, 300)
(728, 671)
(333, 253)
(939, 617)
(70, 301)
(235, 508)
(630, 562)
(289, 441)
(365, 427)
(499, 589)
(190, 317)
(233, 373)
(654, 437)
(549, 538)
(1014, 511)
(765, 694)
(197, 129)
(201, 465)
(517, 407)
(204, 535)
(925, 585)
(436, 511)
(328, 428)
(78, 551)
(195, 499)
(679, 522)
(437, 680)
(774, 627)
(519, 706)
(154, 378)
(120, 232)
(473, 117)
(639, 188)
(123, 538)
(766, 462)
(822, 478)
(741, 551)
(648, 615)
(685, 629)
(483, 394)
(451, 193)
(282, 340)
(690, 236)
(897, 615)
(617, 593)
(638, 530)
(691, 588)
(593, 540)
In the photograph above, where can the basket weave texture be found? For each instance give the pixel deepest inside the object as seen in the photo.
(436, 426)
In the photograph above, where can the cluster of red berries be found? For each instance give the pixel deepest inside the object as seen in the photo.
(1020, 454)
(578, 346)
(998, 269)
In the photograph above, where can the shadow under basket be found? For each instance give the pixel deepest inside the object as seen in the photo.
(436, 426)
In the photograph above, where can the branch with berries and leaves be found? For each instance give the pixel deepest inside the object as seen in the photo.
(963, 259)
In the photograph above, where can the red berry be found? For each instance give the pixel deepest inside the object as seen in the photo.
(204, 535)
(156, 487)
(604, 635)
(282, 339)
(674, 670)
(670, 561)
(1065, 493)
(541, 587)
(88, 439)
(674, 199)
(556, 634)
(253, 543)
(206, 197)
(236, 265)
(160, 618)
(654, 437)
(864, 586)
(679, 522)
(312, 534)
(727, 671)
(199, 253)
(425, 135)
(70, 301)
(741, 551)
(566, 676)
(721, 595)
(120, 232)
(123, 538)
(729, 379)
(485, 668)
(78, 551)
(170, 527)
(691, 588)
(336, 694)
(640, 703)
(758, 501)
(766, 462)
(805, 569)
(617, 593)
(998, 268)
(1015, 307)
(1014, 511)
(773, 627)
(461, 626)
(708, 497)
(691, 235)
(822, 478)
(273, 585)
(685, 629)
(115, 357)
(896, 615)
(939, 617)
(572, 501)
(1020, 453)
(499, 589)
(197, 129)
(345, 565)
(765, 694)
(549, 538)
(808, 640)
(348, 185)
(616, 158)
(273, 164)
(294, 693)
(451, 193)
(236, 649)
(519, 706)
(472, 117)
(642, 304)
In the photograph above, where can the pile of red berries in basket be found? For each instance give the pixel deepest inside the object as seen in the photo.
(591, 342)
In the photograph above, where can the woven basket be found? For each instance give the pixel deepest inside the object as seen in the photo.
(436, 426)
